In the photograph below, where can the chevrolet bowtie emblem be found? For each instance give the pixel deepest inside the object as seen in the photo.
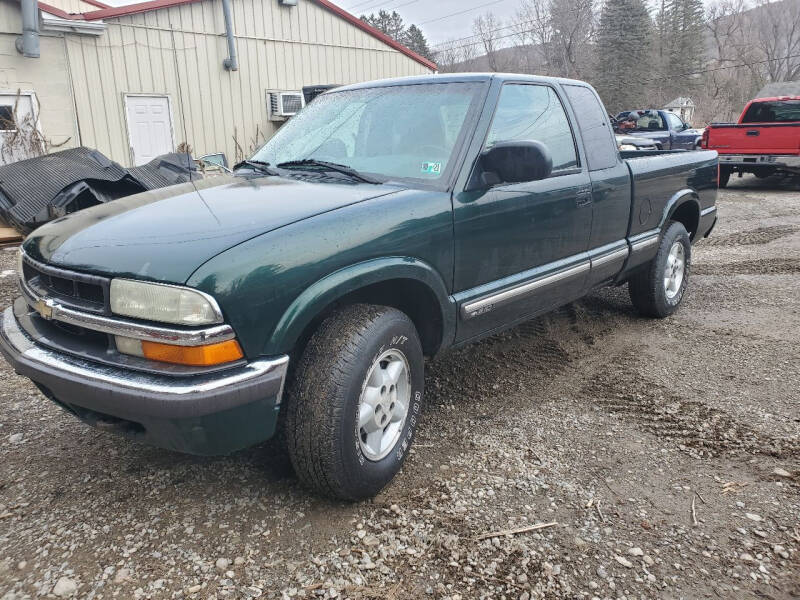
(44, 308)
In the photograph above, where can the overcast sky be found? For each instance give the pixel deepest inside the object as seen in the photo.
(441, 23)
(440, 20)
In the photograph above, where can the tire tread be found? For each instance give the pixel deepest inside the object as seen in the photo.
(644, 286)
(316, 399)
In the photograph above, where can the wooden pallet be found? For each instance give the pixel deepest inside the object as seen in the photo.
(9, 235)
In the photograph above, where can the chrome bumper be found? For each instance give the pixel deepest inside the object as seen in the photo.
(195, 394)
(760, 160)
(207, 413)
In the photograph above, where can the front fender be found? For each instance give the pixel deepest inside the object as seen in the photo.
(321, 294)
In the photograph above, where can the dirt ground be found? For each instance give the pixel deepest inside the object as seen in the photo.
(662, 459)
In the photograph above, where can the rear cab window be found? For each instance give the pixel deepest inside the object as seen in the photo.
(599, 143)
(773, 111)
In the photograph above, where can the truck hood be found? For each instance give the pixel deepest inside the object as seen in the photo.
(165, 234)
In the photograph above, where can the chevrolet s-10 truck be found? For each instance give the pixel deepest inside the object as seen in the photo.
(386, 222)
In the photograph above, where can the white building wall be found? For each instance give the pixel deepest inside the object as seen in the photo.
(178, 52)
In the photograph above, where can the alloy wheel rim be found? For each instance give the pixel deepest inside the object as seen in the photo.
(675, 270)
(383, 406)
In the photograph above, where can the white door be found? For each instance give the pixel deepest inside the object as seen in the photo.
(20, 137)
(149, 127)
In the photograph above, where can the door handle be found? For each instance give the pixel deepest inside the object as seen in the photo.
(754, 133)
(583, 197)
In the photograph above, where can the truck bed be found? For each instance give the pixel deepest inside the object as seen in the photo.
(657, 176)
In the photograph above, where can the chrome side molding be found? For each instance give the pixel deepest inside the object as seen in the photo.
(707, 211)
(616, 255)
(492, 301)
(645, 243)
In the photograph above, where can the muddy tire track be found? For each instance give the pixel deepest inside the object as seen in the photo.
(525, 355)
(710, 432)
(753, 237)
(767, 266)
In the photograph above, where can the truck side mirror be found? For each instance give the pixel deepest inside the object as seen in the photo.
(515, 162)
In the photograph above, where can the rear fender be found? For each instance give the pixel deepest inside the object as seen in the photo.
(678, 202)
(321, 295)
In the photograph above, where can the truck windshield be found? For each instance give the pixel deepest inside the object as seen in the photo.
(398, 132)
(777, 111)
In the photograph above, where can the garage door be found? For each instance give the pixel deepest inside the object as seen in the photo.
(149, 127)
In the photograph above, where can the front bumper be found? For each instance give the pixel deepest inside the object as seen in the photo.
(208, 414)
(777, 161)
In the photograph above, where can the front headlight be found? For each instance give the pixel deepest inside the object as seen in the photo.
(163, 303)
(627, 147)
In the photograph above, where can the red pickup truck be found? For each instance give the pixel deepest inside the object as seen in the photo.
(766, 139)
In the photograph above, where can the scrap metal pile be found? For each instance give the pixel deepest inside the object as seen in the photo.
(38, 190)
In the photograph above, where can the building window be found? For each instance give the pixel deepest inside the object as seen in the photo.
(7, 121)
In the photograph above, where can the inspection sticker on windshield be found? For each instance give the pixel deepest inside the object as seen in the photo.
(432, 168)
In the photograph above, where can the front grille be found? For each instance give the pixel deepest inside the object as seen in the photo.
(75, 290)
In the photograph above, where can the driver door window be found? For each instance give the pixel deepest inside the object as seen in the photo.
(534, 112)
(674, 122)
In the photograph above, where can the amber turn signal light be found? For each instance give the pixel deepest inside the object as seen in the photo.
(195, 356)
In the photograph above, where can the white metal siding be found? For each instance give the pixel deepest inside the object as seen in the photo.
(178, 52)
(46, 77)
(73, 6)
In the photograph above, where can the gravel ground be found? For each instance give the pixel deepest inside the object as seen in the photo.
(660, 458)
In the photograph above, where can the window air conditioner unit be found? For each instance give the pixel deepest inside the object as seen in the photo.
(283, 105)
(288, 2)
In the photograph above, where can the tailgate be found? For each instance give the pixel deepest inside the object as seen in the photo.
(774, 138)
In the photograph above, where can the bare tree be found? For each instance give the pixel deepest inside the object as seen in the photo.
(486, 29)
(533, 29)
(777, 29)
(749, 45)
(573, 25)
(455, 56)
(559, 32)
(733, 71)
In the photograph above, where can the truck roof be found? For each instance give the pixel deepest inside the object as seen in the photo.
(459, 77)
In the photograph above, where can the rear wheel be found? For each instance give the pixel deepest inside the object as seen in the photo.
(355, 402)
(724, 176)
(657, 290)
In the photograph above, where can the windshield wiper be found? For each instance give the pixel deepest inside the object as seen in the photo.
(328, 166)
(256, 165)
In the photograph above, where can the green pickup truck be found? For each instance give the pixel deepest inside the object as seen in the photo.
(386, 222)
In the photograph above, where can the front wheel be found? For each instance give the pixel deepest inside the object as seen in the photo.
(657, 290)
(355, 401)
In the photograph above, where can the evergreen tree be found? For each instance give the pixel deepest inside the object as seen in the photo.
(624, 55)
(415, 40)
(389, 23)
(683, 45)
(392, 25)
